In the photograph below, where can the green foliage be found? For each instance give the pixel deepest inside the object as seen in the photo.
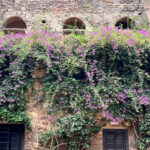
(77, 130)
(48, 139)
(144, 130)
(18, 116)
(104, 72)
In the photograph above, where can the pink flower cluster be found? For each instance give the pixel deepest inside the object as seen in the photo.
(108, 116)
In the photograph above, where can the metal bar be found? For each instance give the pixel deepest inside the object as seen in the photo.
(8, 137)
(12, 29)
(73, 29)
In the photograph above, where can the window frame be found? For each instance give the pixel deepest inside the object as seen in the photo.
(75, 25)
(125, 131)
(19, 128)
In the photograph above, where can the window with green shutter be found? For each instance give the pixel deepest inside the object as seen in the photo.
(11, 137)
(115, 139)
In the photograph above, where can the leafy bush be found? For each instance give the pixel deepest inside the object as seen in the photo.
(103, 72)
(47, 138)
(77, 130)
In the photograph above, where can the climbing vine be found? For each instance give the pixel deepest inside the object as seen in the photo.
(106, 72)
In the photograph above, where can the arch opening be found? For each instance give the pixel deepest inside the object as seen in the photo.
(125, 23)
(14, 25)
(74, 25)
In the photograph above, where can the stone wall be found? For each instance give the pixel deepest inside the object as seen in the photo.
(147, 8)
(97, 140)
(40, 123)
(94, 13)
(37, 112)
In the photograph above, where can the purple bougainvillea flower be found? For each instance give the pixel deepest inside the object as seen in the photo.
(11, 100)
(140, 91)
(131, 42)
(21, 82)
(51, 118)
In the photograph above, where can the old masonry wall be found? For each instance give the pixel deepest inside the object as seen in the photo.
(39, 120)
(93, 13)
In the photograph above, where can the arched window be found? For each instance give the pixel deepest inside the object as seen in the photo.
(125, 23)
(73, 25)
(14, 25)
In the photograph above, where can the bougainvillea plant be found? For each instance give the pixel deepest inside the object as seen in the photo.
(105, 72)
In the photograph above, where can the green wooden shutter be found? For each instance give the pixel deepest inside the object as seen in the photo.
(11, 137)
(115, 140)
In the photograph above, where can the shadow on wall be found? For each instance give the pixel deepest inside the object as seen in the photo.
(14, 25)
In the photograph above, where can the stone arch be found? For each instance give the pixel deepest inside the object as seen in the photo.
(14, 25)
(74, 24)
(125, 23)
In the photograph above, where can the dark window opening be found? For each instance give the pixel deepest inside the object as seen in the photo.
(14, 25)
(115, 139)
(74, 25)
(125, 23)
(43, 21)
(11, 2)
(11, 137)
(80, 74)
